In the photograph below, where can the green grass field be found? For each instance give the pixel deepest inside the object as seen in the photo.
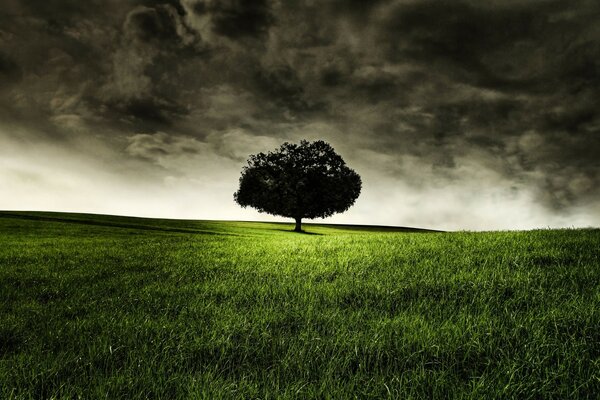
(113, 307)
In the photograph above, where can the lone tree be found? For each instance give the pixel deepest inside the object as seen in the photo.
(306, 180)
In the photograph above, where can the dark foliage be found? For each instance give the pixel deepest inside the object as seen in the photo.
(306, 180)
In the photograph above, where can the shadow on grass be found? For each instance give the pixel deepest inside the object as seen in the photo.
(109, 224)
(380, 228)
(361, 228)
(298, 233)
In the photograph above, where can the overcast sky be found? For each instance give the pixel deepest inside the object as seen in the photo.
(466, 114)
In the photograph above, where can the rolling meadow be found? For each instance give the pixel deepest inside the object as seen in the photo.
(96, 306)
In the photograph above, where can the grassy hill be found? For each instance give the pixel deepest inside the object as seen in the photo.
(115, 307)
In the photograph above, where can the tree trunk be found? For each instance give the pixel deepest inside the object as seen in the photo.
(298, 227)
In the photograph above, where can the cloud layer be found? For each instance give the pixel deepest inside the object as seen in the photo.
(464, 114)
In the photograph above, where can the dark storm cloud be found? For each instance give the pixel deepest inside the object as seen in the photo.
(113, 60)
(154, 24)
(10, 72)
(456, 36)
(237, 18)
(502, 71)
(511, 86)
(147, 113)
(281, 85)
(497, 45)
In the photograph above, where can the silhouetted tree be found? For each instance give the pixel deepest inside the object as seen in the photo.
(306, 180)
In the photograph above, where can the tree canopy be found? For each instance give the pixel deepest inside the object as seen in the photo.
(305, 180)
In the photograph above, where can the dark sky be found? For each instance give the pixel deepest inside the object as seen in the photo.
(457, 114)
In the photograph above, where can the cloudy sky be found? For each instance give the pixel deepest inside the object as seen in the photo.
(467, 114)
